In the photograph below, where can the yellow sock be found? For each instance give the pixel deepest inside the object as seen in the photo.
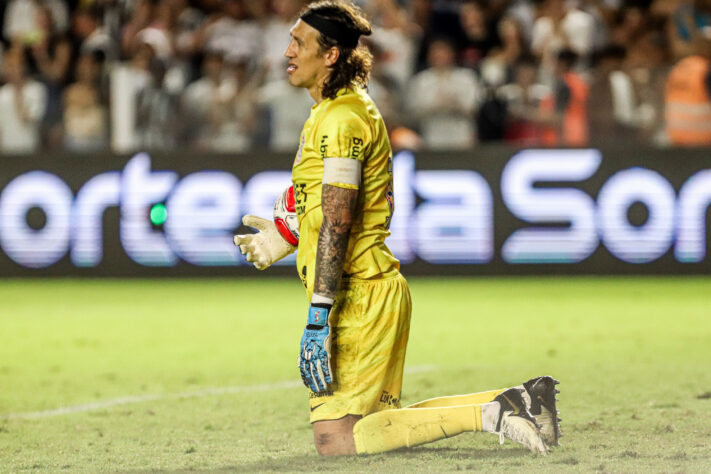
(454, 400)
(405, 427)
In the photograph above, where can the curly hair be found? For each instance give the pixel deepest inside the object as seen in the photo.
(353, 64)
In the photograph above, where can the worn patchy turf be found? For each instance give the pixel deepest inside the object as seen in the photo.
(633, 356)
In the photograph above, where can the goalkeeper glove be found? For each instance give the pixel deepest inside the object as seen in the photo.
(315, 354)
(266, 246)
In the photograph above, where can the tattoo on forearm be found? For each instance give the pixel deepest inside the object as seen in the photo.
(338, 207)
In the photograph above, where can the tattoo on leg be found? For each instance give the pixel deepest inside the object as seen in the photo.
(338, 205)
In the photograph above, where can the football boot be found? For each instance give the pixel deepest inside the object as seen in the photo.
(539, 394)
(516, 423)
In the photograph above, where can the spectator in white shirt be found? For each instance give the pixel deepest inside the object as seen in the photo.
(20, 25)
(562, 26)
(396, 38)
(232, 32)
(613, 112)
(288, 107)
(232, 113)
(23, 102)
(201, 95)
(218, 107)
(444, 98)
(85, 114)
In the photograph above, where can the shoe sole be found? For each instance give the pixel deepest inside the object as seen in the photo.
(525, 432)
(542, 392)
(515, 420)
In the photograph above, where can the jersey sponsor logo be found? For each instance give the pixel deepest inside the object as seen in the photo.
(323, 147)
(356, 147)
(302, 275)
(327, 393)
(300, 198)
(389, 400)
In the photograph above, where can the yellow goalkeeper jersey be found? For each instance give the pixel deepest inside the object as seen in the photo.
(348, 126)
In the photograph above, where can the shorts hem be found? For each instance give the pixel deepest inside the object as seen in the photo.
(333, 417)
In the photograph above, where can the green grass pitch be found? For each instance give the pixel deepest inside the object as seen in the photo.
(179, 375)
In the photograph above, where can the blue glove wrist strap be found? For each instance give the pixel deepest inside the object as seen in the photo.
(318, 314)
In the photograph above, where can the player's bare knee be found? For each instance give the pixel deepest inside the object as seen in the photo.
(325, 444)
(335, 438)
(334, 444)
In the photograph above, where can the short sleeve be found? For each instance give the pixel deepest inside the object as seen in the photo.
(343, 133)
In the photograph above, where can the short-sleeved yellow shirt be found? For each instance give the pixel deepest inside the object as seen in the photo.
(348, 126)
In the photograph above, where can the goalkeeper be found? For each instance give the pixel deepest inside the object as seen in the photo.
(353, 347)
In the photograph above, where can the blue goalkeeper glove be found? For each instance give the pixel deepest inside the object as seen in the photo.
(315, 355)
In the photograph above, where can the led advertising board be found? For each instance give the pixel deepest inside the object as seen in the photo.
(491, 211)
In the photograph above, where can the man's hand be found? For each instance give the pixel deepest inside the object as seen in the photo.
(266, 246)
(315, 354)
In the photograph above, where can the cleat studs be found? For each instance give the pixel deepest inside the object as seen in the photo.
(556, 391)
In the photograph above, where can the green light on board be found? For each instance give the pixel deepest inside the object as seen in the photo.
(158, 214)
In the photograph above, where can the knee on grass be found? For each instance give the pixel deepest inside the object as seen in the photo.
(335, 437)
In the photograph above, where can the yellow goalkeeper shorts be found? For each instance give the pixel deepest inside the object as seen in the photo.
(371, 325)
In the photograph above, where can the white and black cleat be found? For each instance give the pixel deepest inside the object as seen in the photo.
(516, 423)
(540, 395)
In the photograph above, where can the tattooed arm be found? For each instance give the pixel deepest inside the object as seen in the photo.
(338, 205)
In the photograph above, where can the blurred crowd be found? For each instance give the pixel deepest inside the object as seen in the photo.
(83, 75)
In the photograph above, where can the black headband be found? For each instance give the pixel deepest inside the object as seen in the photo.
(343, 36)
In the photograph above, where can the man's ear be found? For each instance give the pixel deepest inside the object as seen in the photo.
(332, 55)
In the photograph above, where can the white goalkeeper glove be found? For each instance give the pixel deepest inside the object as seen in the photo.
(266, 246)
